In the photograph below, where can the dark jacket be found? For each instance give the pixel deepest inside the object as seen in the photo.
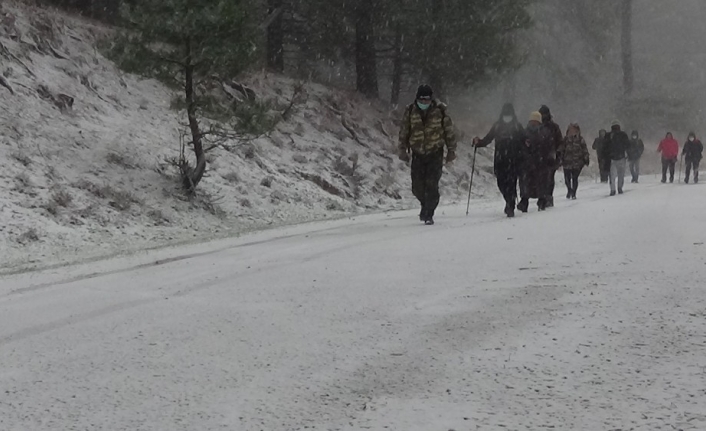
(618, 144)
(540, 163)
(637, 147)
(600, 145)
(693, 151)
(509, 139)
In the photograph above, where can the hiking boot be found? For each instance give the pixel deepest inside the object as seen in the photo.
(612, 193)
(620, 191)
(573, 198)
(550, 202)
(686, 181)
(568, 195)
(429, 221)
(664, 180)
(523, 206)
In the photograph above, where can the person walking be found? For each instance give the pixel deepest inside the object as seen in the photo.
(426, 129)
(557, 140)
(509, 136)
(692, 154)
(637, 147)
(539, 165)
(575, 158)
(669, 147)
(618, 144)
(599, 146)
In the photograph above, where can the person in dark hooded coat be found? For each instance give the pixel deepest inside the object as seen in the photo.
(539, 164)
(693, 153)
(557, 140)
(600, 145)
(509, 136)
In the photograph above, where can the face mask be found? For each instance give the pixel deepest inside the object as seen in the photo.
(508, 118)
(692, 139)
(634, 137)
(423, 106)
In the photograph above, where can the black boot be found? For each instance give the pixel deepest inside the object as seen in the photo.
(423, 214)
(510, 209)
(523, 206)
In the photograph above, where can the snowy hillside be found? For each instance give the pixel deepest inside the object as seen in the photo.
(83, 149)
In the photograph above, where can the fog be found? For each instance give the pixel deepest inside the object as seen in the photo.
(574, 65)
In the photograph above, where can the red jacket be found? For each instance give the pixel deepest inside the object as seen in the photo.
(669, 148)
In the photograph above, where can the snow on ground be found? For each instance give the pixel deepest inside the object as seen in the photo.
(591, 316)
(86, 182)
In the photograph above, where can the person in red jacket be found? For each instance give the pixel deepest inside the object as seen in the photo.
(669, 147)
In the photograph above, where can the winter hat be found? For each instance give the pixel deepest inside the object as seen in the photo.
(536, 116)
(424, 91)
(615, 123)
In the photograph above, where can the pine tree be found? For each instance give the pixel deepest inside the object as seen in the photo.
(184, 43)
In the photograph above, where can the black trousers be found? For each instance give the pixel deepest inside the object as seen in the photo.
(604, 168)
(668, 164)
(426, 173)
(692, 164)
(507, 173)
(571, 177)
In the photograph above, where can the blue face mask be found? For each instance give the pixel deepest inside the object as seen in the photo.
(423, 106)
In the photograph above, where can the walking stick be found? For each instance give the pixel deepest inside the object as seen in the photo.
(470, 187)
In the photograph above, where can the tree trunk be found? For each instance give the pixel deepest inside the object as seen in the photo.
(192, 177)
(397, 67)
(365, 55)
(275, 36)
(626, 43)
(434, 72)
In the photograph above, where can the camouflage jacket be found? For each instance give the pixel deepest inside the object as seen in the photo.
(574, 153)
(427, 132)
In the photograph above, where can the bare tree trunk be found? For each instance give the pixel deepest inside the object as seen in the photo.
(193, 176)
(626, 44)
(365, 55)
(436, 80)
(275, 36)
(397, 67)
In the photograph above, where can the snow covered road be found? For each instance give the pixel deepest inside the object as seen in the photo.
(591, 316)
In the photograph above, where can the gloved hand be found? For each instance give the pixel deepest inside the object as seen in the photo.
(476, 141)
(450, 157)
(404, 156)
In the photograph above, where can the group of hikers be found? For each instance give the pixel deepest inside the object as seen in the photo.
(527, 156)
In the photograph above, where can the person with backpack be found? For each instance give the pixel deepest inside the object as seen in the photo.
(426, 129)
(669, 147)
(618, 144)
(599, 146)
(692, 154)
(509, 136)
(637, 147)
(557, 140)
(538, 165)
(575, 158)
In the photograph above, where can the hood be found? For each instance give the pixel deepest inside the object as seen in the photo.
(573, 130)
(508, 110)
(635, 133)
(692, 134)
(546, 113)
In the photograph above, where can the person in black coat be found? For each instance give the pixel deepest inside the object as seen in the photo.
(618, 144)
(509, 137)
(692, 153)
(635, 151)
(557, 140)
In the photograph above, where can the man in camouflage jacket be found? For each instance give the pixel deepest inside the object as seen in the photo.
(426, 129)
